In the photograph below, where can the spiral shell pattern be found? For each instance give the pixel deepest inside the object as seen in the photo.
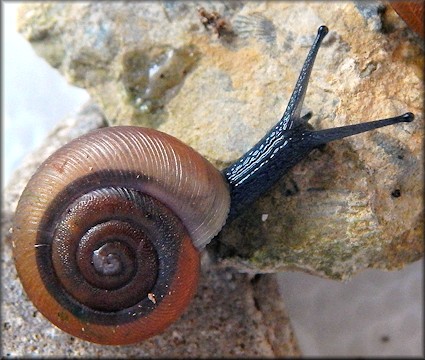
(107, 233)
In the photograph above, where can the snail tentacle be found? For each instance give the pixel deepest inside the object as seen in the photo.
(287, 143)
(292, 113)
(320, 137)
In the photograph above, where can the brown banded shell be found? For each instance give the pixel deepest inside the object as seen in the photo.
(114, 222)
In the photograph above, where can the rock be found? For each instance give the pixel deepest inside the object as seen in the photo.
(372, 12)
(232, 314)
(353, 205)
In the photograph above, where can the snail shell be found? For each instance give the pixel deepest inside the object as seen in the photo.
(108, 231)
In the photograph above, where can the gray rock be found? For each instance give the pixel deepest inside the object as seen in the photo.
(371, 11)
(155, 64)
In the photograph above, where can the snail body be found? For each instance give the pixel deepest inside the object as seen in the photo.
(108, 231)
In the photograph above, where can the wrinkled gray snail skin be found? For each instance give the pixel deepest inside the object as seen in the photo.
(108, 231)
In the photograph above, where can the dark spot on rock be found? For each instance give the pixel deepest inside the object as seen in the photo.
(385, 338)
(256, 278)
(396, 193)
(256, 304)
(289, 187)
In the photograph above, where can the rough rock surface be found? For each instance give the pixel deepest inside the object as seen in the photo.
(353, 205)
(232, 315)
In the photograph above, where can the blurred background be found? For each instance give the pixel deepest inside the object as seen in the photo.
(376, 314)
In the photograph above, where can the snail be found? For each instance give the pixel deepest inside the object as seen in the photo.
(108, 232)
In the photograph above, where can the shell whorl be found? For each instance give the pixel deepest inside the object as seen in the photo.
(107, 232)
(151, 161)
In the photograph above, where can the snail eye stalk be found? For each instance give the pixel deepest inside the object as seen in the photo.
(287, 143)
